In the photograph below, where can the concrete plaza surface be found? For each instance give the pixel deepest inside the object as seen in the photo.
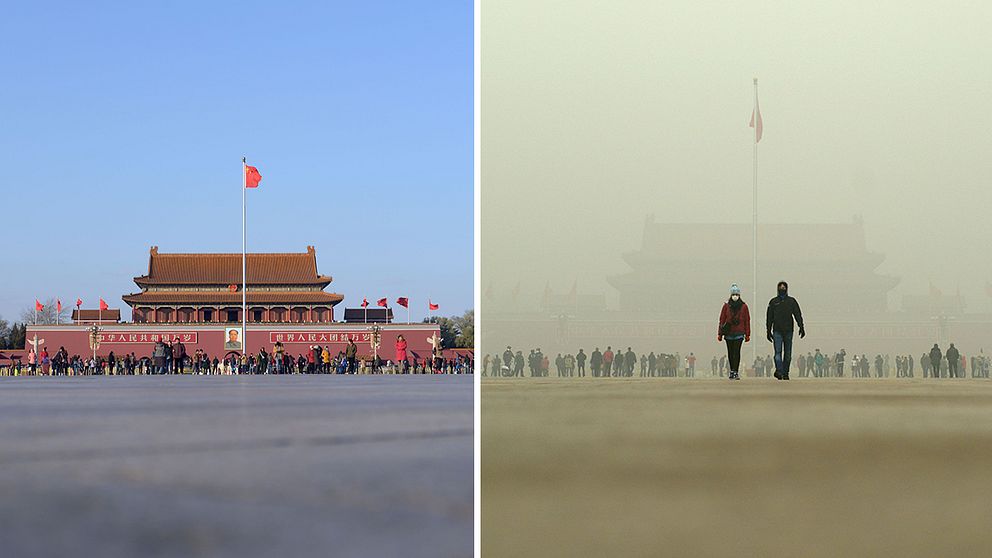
(675, 467)
(236, 466)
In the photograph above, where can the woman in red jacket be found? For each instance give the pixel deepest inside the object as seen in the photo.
(400, 351)
(735, 328)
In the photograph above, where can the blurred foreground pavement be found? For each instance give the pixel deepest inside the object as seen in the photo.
(236, 466)
(675, 467)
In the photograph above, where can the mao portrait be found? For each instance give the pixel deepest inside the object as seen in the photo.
(233, 339)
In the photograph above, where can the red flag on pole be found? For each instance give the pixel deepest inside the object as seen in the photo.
(252, 177)
(103, 305)
(756, 112)
(383, 302)
(38, 306)
(58, 305)
(365, 302)
(79, 302)
(431, 305)
(403, 301)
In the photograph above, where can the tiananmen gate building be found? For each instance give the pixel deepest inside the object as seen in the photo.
(196, 298)
(206, 288)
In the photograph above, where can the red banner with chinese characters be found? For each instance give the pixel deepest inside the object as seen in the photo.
(147, 336)
(318, 336)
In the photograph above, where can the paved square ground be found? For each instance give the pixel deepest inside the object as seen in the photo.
(675, 467)
(236, 466)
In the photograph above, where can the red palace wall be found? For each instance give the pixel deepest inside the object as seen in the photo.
(296, 338)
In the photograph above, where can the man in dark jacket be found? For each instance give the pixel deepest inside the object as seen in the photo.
(779, 325)
(351, 354)
(168, 358)
(935, 355)
(178, 356)
(953, 362)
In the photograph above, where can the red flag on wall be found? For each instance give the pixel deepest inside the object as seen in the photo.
(431, 305)
(252, 177)
(103, 305)
(402, 301)
(365, 302)
(383, 302)
(38, 306)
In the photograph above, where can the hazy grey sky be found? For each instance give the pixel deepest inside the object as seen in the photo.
(597, 113)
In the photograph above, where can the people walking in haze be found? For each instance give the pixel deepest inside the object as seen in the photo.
(782, 310)
(735, 328)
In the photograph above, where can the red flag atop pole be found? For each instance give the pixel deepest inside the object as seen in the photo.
(252, 177)
(79, 302)
(405, 303)
(384, 302)
(756, 124)
(103, 305)
(58, 306)
(365, 302)
(38, 306)
(431, 305)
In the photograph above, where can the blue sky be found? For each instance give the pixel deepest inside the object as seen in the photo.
(122, 125)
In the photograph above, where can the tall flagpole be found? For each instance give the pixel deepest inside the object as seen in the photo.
(244, 258)
(754, 224)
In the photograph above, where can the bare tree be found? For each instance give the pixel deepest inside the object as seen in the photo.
(47, 314)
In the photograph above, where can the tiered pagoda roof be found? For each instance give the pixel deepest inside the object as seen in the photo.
(284, 279)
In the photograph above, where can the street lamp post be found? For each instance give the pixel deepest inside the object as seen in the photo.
(374, 341)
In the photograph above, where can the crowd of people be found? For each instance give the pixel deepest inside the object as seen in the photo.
(600, 364)
(935, 363)
(172, 358)
(782, 318)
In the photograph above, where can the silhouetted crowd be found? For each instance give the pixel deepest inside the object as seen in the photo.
(935, 363)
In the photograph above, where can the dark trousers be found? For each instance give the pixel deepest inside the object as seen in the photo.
(952, 368)
(581, 369)
(734, 353)
(783, 351)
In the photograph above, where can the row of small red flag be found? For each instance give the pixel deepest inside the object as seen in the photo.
(38, 306)
(402, 301)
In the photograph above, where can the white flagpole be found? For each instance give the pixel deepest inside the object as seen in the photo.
(754, 225)
(57, 311)
(244, 259)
